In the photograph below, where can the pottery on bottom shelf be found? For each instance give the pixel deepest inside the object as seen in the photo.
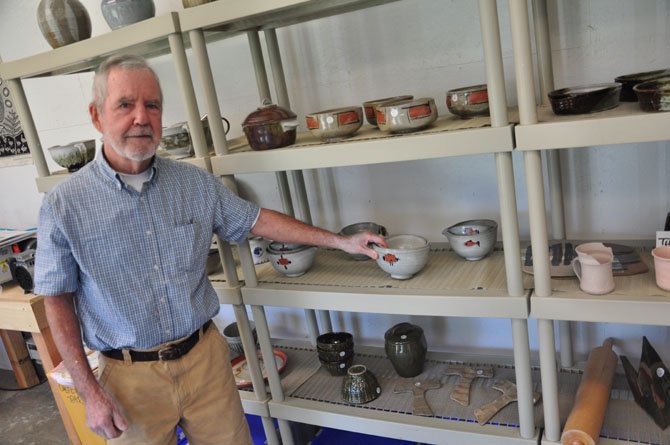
(406, 347)
(360, 386)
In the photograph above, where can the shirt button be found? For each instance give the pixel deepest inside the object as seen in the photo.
(141, 198)
(148, 232)
(155, 266)
(163, 300)
(167, 331)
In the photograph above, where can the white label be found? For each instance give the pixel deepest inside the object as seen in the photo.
(330, 119)
(403, 337)
(660, 372)
(342, 353)
(394, 112)
(662, 238)
(342, 365)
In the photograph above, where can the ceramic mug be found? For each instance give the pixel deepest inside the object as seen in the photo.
(593, 267)
(661, 256)
(258, 244)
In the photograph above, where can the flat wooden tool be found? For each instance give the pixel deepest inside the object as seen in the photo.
(418, 388)
(467, 374)
(509, 395)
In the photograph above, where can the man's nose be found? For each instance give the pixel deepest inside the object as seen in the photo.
(141, 115)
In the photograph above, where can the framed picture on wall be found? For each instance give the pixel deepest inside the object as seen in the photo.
(12, 140)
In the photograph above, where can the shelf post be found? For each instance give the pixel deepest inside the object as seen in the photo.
(524, 379)
(28, 126)
(549, 376)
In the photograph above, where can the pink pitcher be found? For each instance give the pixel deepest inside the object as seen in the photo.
(661, 256)
(593, 267)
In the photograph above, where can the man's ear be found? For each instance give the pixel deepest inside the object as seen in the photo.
(95, 116)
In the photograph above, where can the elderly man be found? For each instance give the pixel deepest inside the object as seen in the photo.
(121, 261)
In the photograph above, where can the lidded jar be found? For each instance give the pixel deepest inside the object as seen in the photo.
(406, 347)
(270, 126)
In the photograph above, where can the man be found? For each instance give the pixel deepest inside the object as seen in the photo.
(121, 255)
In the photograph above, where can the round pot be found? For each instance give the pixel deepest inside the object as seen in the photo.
(360, 386)
(406, 348)
(119, 13)
(63, 22)
(270, 126)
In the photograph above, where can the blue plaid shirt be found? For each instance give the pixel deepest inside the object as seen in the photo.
(135, 261)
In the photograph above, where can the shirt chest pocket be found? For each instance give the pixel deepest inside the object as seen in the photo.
(188, 247)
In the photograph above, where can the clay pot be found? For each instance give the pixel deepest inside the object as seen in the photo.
(360, 386)
(270, 126)
(63, 22)
(119, 13)
(406, 347)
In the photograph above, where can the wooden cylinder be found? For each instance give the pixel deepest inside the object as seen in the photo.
(588, 412)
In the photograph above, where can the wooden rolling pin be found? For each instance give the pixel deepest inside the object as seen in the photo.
(588, 412)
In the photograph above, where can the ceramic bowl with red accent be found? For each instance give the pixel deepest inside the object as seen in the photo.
(473, 239)
(406, 116)
(404, 256)
(469, 101)
(335, 124)
(370, 106)
(291, 259)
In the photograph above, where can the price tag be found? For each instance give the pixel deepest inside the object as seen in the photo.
(662, 238)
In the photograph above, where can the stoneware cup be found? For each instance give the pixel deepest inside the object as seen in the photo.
(232, 335)
(662, 265)
(258, 246)
(360, 386)
(406, 348)
(593, 267)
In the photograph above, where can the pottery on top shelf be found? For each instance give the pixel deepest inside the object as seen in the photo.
(469, 101)
(293, 260)
(404, 256)
(585, 99)
(654, 95)
(192, 3)
(74, 155)
(628, 81)
(406, 116)
(352, 229)
(472, 239)
(119, 13)
(63, 22)
(335, 124)
(369, 107)
(270, 126)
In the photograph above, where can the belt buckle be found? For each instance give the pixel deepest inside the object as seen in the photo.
(169, 353)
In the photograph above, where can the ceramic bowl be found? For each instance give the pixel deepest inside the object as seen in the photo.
(119, 13)
(360, 385)
(335, 356)
(370, 106)
(654, 95)
(232, 335)
(630, 80)
(352, 229)
(338, 367)
(335, 124)
(258, 246)
(176, 139)
(74, 155)
(192, 3)
(293, 260)
(404, 256)
(473, 239)
(335, 341)
(469, 101)
(406, 116)
(585, 99)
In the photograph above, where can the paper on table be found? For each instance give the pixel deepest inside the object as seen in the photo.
(62, 376)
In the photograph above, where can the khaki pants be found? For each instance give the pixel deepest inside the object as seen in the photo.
(196, 391)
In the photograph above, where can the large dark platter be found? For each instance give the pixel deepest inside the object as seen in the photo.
(585, 99)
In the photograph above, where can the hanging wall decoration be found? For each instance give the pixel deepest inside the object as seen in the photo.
(12, 140)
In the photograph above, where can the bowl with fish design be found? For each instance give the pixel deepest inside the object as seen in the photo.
(291, 259)
(472, 239)
(404, 256)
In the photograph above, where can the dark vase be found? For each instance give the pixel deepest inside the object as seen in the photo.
(406, 347)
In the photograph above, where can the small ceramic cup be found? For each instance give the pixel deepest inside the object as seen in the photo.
(360, 386)
(258, 246)
(406, 348)
(593, 267)
(232, 335)
(661, 256)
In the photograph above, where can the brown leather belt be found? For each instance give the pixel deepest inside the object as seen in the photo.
(171, 352)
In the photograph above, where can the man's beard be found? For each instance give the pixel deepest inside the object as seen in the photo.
(127, 151)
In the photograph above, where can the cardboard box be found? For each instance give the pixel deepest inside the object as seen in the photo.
(75, 408)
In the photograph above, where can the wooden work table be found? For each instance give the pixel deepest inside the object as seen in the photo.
(21, 312)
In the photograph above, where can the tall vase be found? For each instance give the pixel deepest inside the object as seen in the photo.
(63, 21)
(119, 13)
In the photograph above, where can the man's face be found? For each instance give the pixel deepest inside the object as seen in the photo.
(131, 116)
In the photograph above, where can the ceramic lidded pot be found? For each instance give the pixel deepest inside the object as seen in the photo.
(406, 347)
(360, 385)
(270, 126)
(119, 13)
(63, 22)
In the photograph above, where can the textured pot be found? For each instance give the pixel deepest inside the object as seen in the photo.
(406, 347)
(360, 386)
(63, 21)
(119, 13)
(192, 3)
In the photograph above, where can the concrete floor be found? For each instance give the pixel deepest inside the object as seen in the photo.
(29, 417)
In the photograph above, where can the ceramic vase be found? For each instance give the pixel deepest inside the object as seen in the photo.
(63, 21)
(191, 3)
(360, 385)
(406, 348)
(119, 13)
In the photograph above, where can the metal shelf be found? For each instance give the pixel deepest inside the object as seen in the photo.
(449, 136)
(447, 286)
(624, 124)
(636, 299)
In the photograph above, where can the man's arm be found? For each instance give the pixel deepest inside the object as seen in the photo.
(102, 413)
(279, 227)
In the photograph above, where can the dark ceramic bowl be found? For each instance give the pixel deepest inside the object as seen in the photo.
(630, 80)
(469, 101)
(406, 348)
(338, 367)
(335, 356)
(335, 341)
(585, 99)
(352, 229)
(654, 95)
(360, 386)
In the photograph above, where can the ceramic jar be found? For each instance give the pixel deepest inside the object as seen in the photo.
(406, 347)
(270, 126)
(119, 13)
(360, 386)
(63, 22)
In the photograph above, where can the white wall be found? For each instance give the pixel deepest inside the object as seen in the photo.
(422, 47)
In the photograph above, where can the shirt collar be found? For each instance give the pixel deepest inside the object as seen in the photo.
(111, 174)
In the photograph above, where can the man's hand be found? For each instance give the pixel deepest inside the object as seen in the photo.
(359, 243)
(103, 415)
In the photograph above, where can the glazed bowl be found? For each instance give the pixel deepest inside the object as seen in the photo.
(628, 81)
(269, 127)
(406, 116)
(585, 99)
(473, 239)
(192, 3)
(370, 106)
(232, 335)
(74, 155)
(335, 356)
(469, 101)
(293, 260)
(352, 229)
(337, 367)
(119, 13)
(654, 95)
(360, 385)
(176, 139)
(405, 255)
(335, 124)
(334, 341)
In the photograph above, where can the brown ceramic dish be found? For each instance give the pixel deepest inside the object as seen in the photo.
(469, 101)
(654, 95)
(270, 126)
(585, 99)
(630, 80)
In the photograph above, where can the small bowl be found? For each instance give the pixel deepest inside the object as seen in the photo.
(335, 356)
(338, 367)
(585, 99)
(654, 95)
(404, 256)
(630, 80)
(335, 124)
(370, 106)
(352, 229)
(335, 341)
(473, 239)
(406, 116)
(74, 155)
(294, 260)
(360, 386)
(232, 335)
(469, 101)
